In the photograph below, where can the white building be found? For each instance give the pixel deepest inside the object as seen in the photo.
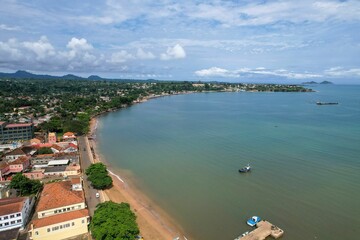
(14, 212)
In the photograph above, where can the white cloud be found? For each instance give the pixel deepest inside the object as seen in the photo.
(8, 28)
(41, 48)
(342, 72)
(121, 57)
(242, 72)
(175, 52)
(141, 54)
(216, 72)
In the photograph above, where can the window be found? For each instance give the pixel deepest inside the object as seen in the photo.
(6, 217)
(72, 224)
(18, 214)
(12, 216)
(48, 230)
(12, 222)
(6, 224)
(43, 214)
(37, 233)
(1, 224)
(18, 221)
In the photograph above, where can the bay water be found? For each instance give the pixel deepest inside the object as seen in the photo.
(184, 153)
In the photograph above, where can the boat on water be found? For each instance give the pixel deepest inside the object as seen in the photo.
(245, 169)
(327, 103)
(253, 221)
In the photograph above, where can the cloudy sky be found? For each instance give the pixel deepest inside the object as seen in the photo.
(235, 41)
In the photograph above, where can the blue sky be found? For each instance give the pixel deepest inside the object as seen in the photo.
(235, 41)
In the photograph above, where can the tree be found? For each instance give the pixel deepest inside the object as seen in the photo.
(98, 176)
(25, 185)
(114, 221)
(45, 150)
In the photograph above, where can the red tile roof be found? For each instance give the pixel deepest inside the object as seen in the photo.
(59, 218)
(11, 205)
(68, 134)
(59, 194)
(57, 147)
(16, 151)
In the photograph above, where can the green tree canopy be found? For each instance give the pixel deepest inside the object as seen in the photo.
(114, 221)
(98, 176)
(45, 150)
(24, 185)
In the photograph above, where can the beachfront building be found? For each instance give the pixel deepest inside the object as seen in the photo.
(14, 212)
(61, 212)
(15, 132)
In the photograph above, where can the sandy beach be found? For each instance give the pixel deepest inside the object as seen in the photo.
(153, 222)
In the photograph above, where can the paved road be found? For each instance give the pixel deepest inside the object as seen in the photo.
(85, 161)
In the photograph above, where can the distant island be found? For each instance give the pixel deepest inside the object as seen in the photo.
(313, 82)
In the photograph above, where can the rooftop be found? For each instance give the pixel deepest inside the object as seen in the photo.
(16, 151)
(63, 217)
(11, 205)
(59, 194)
(12, 125)
(55, 169)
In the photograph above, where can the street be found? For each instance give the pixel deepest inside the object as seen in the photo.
(85, 162)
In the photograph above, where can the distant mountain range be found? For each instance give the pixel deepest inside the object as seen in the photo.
(313, 82)
(25, 74)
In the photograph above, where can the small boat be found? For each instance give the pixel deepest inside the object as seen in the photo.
(327, 103)
(253, 221)
(245, 169)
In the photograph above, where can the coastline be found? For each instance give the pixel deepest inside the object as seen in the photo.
(154, 223)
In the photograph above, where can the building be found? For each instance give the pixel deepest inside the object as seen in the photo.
(15, 154)
(69, 136)
(15, 132)
(61, 212)
(14, 212)
(52, 137)
(19, 165)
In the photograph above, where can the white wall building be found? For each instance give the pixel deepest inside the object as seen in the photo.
(14, 212)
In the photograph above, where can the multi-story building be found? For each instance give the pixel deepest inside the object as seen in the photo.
(15, 132)
(14, 212)
(61, 212)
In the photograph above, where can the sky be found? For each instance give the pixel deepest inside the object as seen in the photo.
(235, 41)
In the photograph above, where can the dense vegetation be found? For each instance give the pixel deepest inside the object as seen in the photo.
(45, 150)
(98, 176)
(24, 185)
(114, 221)
(69, 104)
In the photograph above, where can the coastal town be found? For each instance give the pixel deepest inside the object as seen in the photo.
(48, 150)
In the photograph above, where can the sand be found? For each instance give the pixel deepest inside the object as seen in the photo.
(153, 222)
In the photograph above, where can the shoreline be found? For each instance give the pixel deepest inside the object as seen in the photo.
(154, 222)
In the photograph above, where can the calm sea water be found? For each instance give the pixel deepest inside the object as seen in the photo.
(184, 152)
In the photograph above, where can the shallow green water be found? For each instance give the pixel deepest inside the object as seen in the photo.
(185, 150)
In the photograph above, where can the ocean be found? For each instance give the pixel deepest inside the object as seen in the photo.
(184, 153)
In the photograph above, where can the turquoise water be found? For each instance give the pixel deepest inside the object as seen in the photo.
(184, 152)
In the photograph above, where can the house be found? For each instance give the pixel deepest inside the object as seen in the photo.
(15, 154)
(71, 148)
(19, 165)
(69, 136)
(56, 148)
(14, 212)
(62, 171)
(61, 212)
(35, 141)
(37, 174)
(52, 137)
